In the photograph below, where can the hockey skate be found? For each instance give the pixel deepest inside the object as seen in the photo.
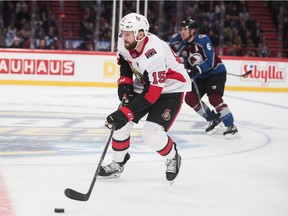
(231, 132)
(213, 126)
(114, 169)
(173, 167)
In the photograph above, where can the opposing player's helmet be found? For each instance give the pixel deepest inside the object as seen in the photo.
(134, 22)
(189, 23)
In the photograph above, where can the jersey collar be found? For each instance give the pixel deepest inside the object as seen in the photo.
(136, 54)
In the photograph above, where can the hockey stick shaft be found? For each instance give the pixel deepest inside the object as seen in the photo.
(241, 75)
(199, 97)
(75, 195)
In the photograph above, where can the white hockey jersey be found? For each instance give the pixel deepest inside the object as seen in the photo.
(164, 67)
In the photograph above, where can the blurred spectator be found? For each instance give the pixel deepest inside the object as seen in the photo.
(49, 26)
(16, 43)
(88, 44)
(251, 50)
(50, 39)
(251, 26)
(42, 44)
(205, 27)
(244, 14)
(227, 37)
(21, 6)
(242, 32)
(45, 8)
(103, 28)
(22, 11)
(258, 34)
(25, 33)
(263, 50)
(216, 30)
(214, 38)
(8, 13)
(11, 33)
(210, 14)
(39, 31)
(87, 23)
(89, 31)
(38, 19)
(236, 48)
(230, 28)
(54, 44)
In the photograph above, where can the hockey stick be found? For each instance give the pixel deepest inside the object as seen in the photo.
(241, 75)
(75, 195)
(212, 117)
(199, 97)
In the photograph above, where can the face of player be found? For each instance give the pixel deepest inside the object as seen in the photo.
(129, 40)
(187, 34)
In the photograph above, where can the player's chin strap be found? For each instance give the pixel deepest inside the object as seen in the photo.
(138, 41)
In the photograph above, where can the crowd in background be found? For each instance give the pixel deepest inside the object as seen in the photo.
(242, 34)
(18, 27)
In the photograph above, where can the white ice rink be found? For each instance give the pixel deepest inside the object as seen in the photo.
(51, 138)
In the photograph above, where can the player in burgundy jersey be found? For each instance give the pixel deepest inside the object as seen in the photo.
(208, 75)
(154, 80)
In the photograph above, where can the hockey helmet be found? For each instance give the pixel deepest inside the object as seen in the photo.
(134, 22)
(189, 23)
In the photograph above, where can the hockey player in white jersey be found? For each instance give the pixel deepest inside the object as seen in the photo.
(154, 80)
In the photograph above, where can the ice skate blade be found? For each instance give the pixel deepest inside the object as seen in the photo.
(214, 131)
(113, 176)
(171, 182)
(232, 136)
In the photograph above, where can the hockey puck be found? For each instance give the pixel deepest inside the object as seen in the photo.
(59, 210)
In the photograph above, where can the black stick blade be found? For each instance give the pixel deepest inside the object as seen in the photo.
(72, 194)
(248, 72)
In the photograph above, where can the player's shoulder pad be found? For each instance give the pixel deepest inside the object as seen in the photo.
(200, 36)
(176, 38)
(174, 35)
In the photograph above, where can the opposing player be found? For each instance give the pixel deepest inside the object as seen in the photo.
(209, 75)
(157, 91)
(175, 42)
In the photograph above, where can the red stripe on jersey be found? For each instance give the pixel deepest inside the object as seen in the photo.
(175, 75)
(153, 94)
(120, 145)
(127, 112)
(125, 80)
(167, 148)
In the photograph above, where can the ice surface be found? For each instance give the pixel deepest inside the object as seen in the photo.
(52, 138)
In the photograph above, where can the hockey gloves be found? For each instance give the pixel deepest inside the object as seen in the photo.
(125, 88)
(120, 117)
(194, 71)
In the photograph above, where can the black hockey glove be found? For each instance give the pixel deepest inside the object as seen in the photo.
(194, 71)
(125, 88)
(120, 117)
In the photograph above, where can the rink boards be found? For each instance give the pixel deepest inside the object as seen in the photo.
(100, 69)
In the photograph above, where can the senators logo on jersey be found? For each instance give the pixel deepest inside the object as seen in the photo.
(150, 53)
(166, 115)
